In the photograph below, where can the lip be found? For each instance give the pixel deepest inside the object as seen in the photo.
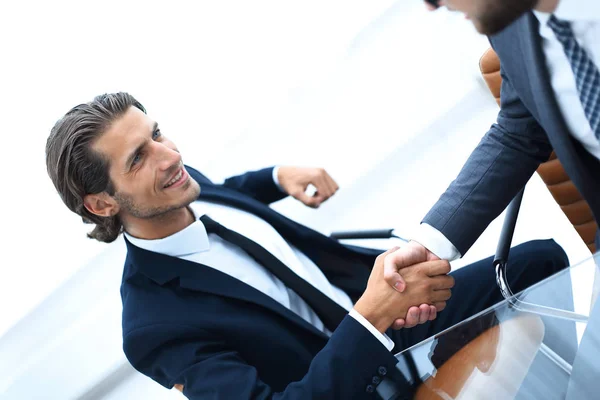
(184, 178)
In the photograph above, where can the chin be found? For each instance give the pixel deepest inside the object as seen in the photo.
(492, 23)
(488, 29)
(192, 191)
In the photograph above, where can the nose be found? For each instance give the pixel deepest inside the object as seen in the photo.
(167, 157)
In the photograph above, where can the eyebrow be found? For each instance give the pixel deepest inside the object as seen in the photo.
(139, 148)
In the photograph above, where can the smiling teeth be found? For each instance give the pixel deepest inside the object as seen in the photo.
(175, 179)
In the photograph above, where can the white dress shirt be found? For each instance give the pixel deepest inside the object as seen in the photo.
(194, 244)
(584, 16)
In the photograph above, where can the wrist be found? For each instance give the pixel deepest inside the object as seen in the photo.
(379, 320)
(275, 175)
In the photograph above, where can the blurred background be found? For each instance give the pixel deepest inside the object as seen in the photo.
(383, 94)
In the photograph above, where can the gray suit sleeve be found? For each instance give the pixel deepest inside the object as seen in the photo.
(498, 168)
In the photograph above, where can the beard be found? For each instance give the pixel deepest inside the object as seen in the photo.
(129, 206)
(499, 14)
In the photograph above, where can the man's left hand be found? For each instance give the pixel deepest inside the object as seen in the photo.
(295, 181)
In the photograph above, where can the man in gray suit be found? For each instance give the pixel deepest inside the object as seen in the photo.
(550, 99)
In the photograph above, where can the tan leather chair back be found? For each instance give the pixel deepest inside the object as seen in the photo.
(552, 172)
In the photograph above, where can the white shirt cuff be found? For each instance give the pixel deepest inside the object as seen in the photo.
(434, 241)
(383, 338)
(276, 179)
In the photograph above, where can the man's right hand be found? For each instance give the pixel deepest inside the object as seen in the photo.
(426, 283)
(412, 253)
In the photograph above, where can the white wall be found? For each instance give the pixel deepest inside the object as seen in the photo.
(384, 95)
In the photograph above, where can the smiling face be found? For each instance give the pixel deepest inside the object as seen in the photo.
(491, 16)
(145, 169)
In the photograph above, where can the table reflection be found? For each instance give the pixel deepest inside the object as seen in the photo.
(508, 352)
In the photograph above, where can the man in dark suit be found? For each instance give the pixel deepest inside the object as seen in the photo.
(550, 99)
(225, 298)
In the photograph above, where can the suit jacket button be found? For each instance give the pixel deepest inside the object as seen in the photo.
(370, 388)
(376, 380)
(382, 371)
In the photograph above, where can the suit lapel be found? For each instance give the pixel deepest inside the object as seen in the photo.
(578, 162)
(163, 269)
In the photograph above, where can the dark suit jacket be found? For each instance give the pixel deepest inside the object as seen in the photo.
(529, 125)
(189, 324)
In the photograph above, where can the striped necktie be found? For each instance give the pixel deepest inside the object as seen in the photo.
(585, 71)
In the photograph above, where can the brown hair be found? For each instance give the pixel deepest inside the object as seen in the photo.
(75, 168)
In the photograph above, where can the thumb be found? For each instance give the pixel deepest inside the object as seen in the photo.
(310, 201)
(390, 270)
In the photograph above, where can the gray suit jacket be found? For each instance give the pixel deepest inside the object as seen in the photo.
(529, 126)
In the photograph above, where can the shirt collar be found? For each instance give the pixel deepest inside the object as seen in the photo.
(190, 240)
(573, 10)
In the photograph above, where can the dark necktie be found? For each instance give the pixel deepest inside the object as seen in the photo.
(330, 313)
(585, 71)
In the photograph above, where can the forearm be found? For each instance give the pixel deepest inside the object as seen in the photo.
(497, 169)
(257, 184)
(494, 173)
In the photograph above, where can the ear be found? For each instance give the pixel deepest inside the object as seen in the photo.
(101, 204)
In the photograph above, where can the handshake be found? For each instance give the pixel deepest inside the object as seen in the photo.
(406, 287)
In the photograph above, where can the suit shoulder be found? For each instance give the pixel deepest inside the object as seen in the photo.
(509, 39)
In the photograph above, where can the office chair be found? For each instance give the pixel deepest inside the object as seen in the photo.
(552, 172)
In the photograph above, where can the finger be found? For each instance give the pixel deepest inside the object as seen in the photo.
(399, 324)
(332, 183)
(432, 313)
(328, 183)
(380, 259)
(310, 201)
(411, 254)
(412, 317)
(333, 186)
(393, 262)
(322, 187)
(319, 198)
(393, 278)
(442, 282)
(382, 256)
(441, 295)
(424, 313)
(437, 267)
(439, 306)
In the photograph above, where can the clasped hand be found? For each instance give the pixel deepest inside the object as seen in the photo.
(395, 268)
(424, 280)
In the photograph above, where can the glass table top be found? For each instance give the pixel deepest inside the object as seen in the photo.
(542, 343)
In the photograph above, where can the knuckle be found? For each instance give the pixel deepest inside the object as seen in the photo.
(429, 299)
(389, 276)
